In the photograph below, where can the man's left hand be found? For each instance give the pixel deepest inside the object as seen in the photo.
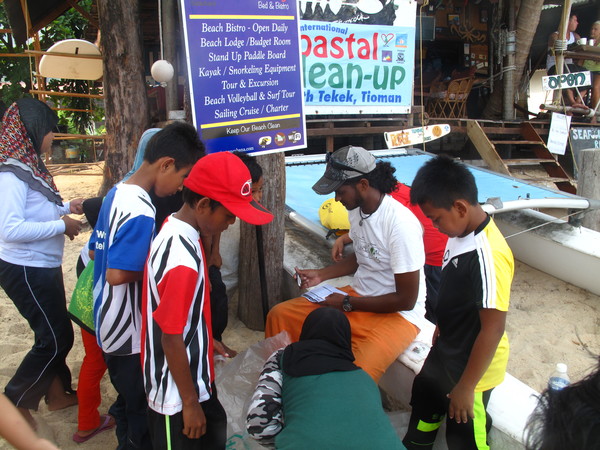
(334, 300)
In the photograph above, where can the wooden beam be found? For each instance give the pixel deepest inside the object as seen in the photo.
(66, 55)
(485, 148)
(65, 94)
(84, 13)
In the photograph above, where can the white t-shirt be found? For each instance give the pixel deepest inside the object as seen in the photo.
(388, 242)
(551, 59)
(31, 229)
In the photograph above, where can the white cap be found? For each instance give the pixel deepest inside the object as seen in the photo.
(561, 367)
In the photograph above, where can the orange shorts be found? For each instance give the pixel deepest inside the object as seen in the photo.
(377, 339)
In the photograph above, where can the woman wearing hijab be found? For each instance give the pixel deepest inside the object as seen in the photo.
(312, 395)
(33, 222)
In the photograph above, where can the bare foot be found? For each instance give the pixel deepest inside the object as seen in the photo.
(57, 398)
(28, 417)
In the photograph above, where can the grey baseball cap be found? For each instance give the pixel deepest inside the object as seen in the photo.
(342, 165)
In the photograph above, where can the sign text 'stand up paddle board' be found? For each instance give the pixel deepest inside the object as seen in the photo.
(413, 136)
(62, 65)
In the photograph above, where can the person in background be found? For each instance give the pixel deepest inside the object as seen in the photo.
(571, 97)
(219, 301)
(594, 68)
(312, 395)
(470, 348)
(569, 418)
(33, 223)
(89, 420)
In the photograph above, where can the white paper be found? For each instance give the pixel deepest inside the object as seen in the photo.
(559, 133)
(319, 293)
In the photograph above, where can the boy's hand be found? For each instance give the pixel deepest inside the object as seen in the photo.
(461, 403)
(194, 420)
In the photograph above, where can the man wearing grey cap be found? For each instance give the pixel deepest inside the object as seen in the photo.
(386, 302)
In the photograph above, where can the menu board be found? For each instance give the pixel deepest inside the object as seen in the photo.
(245, 74)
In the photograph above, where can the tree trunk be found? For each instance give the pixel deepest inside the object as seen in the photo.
(527, 23)
(125, 101)
(250, 309)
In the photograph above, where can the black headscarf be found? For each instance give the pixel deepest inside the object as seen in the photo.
(38, 118)
(324, 346)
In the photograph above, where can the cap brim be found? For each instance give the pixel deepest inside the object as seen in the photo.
(252, 212)
(326, 185)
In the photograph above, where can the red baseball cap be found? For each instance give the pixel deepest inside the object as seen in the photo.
(225, 178)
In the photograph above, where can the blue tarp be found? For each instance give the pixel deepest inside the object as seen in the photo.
(301, 176)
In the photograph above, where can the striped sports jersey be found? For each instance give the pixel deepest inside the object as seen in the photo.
(176, 301)
(477, 273)
(121, 240)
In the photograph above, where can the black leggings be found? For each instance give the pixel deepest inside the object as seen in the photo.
(39, 295)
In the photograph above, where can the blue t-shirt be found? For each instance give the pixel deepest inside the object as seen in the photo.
(121, 240)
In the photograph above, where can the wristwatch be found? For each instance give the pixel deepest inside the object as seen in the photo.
(346, 305)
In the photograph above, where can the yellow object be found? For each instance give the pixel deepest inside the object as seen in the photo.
(333, 215)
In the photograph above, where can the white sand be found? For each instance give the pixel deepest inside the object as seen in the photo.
(549, 321)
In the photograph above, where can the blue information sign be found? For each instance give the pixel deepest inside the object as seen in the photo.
(245, 74)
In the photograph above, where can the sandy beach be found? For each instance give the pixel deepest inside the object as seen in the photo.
(549, 321)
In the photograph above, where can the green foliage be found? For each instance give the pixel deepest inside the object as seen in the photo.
(71, 25)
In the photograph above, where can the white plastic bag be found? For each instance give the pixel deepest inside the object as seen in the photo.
(236, 381)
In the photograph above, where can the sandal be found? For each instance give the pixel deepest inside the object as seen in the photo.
(107, 422)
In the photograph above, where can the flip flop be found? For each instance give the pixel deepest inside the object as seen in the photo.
(104, 425)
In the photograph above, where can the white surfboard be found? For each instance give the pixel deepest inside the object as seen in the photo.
(413, 136)
(61, 65)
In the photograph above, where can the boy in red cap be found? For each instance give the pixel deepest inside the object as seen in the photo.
(177, 341)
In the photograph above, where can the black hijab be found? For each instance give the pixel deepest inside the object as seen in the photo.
(38, 118)
(324, 346)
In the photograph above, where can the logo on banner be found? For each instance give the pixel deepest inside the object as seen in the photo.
(387, 38)
(402, 41)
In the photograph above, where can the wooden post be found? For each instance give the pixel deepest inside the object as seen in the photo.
(562, 34)
(588, 185)
(250, 310)
(169, 12)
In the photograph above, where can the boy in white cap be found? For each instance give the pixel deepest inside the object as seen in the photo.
(177, 341)
(386, 302)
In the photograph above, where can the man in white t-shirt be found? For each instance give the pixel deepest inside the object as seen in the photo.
(386, 303)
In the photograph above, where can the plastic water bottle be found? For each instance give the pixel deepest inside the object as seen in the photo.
(559, 379)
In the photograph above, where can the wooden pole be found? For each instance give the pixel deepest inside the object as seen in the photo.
(562, 34)
(169, 37)
(588, 185)
(508, 110)
(250, 301)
